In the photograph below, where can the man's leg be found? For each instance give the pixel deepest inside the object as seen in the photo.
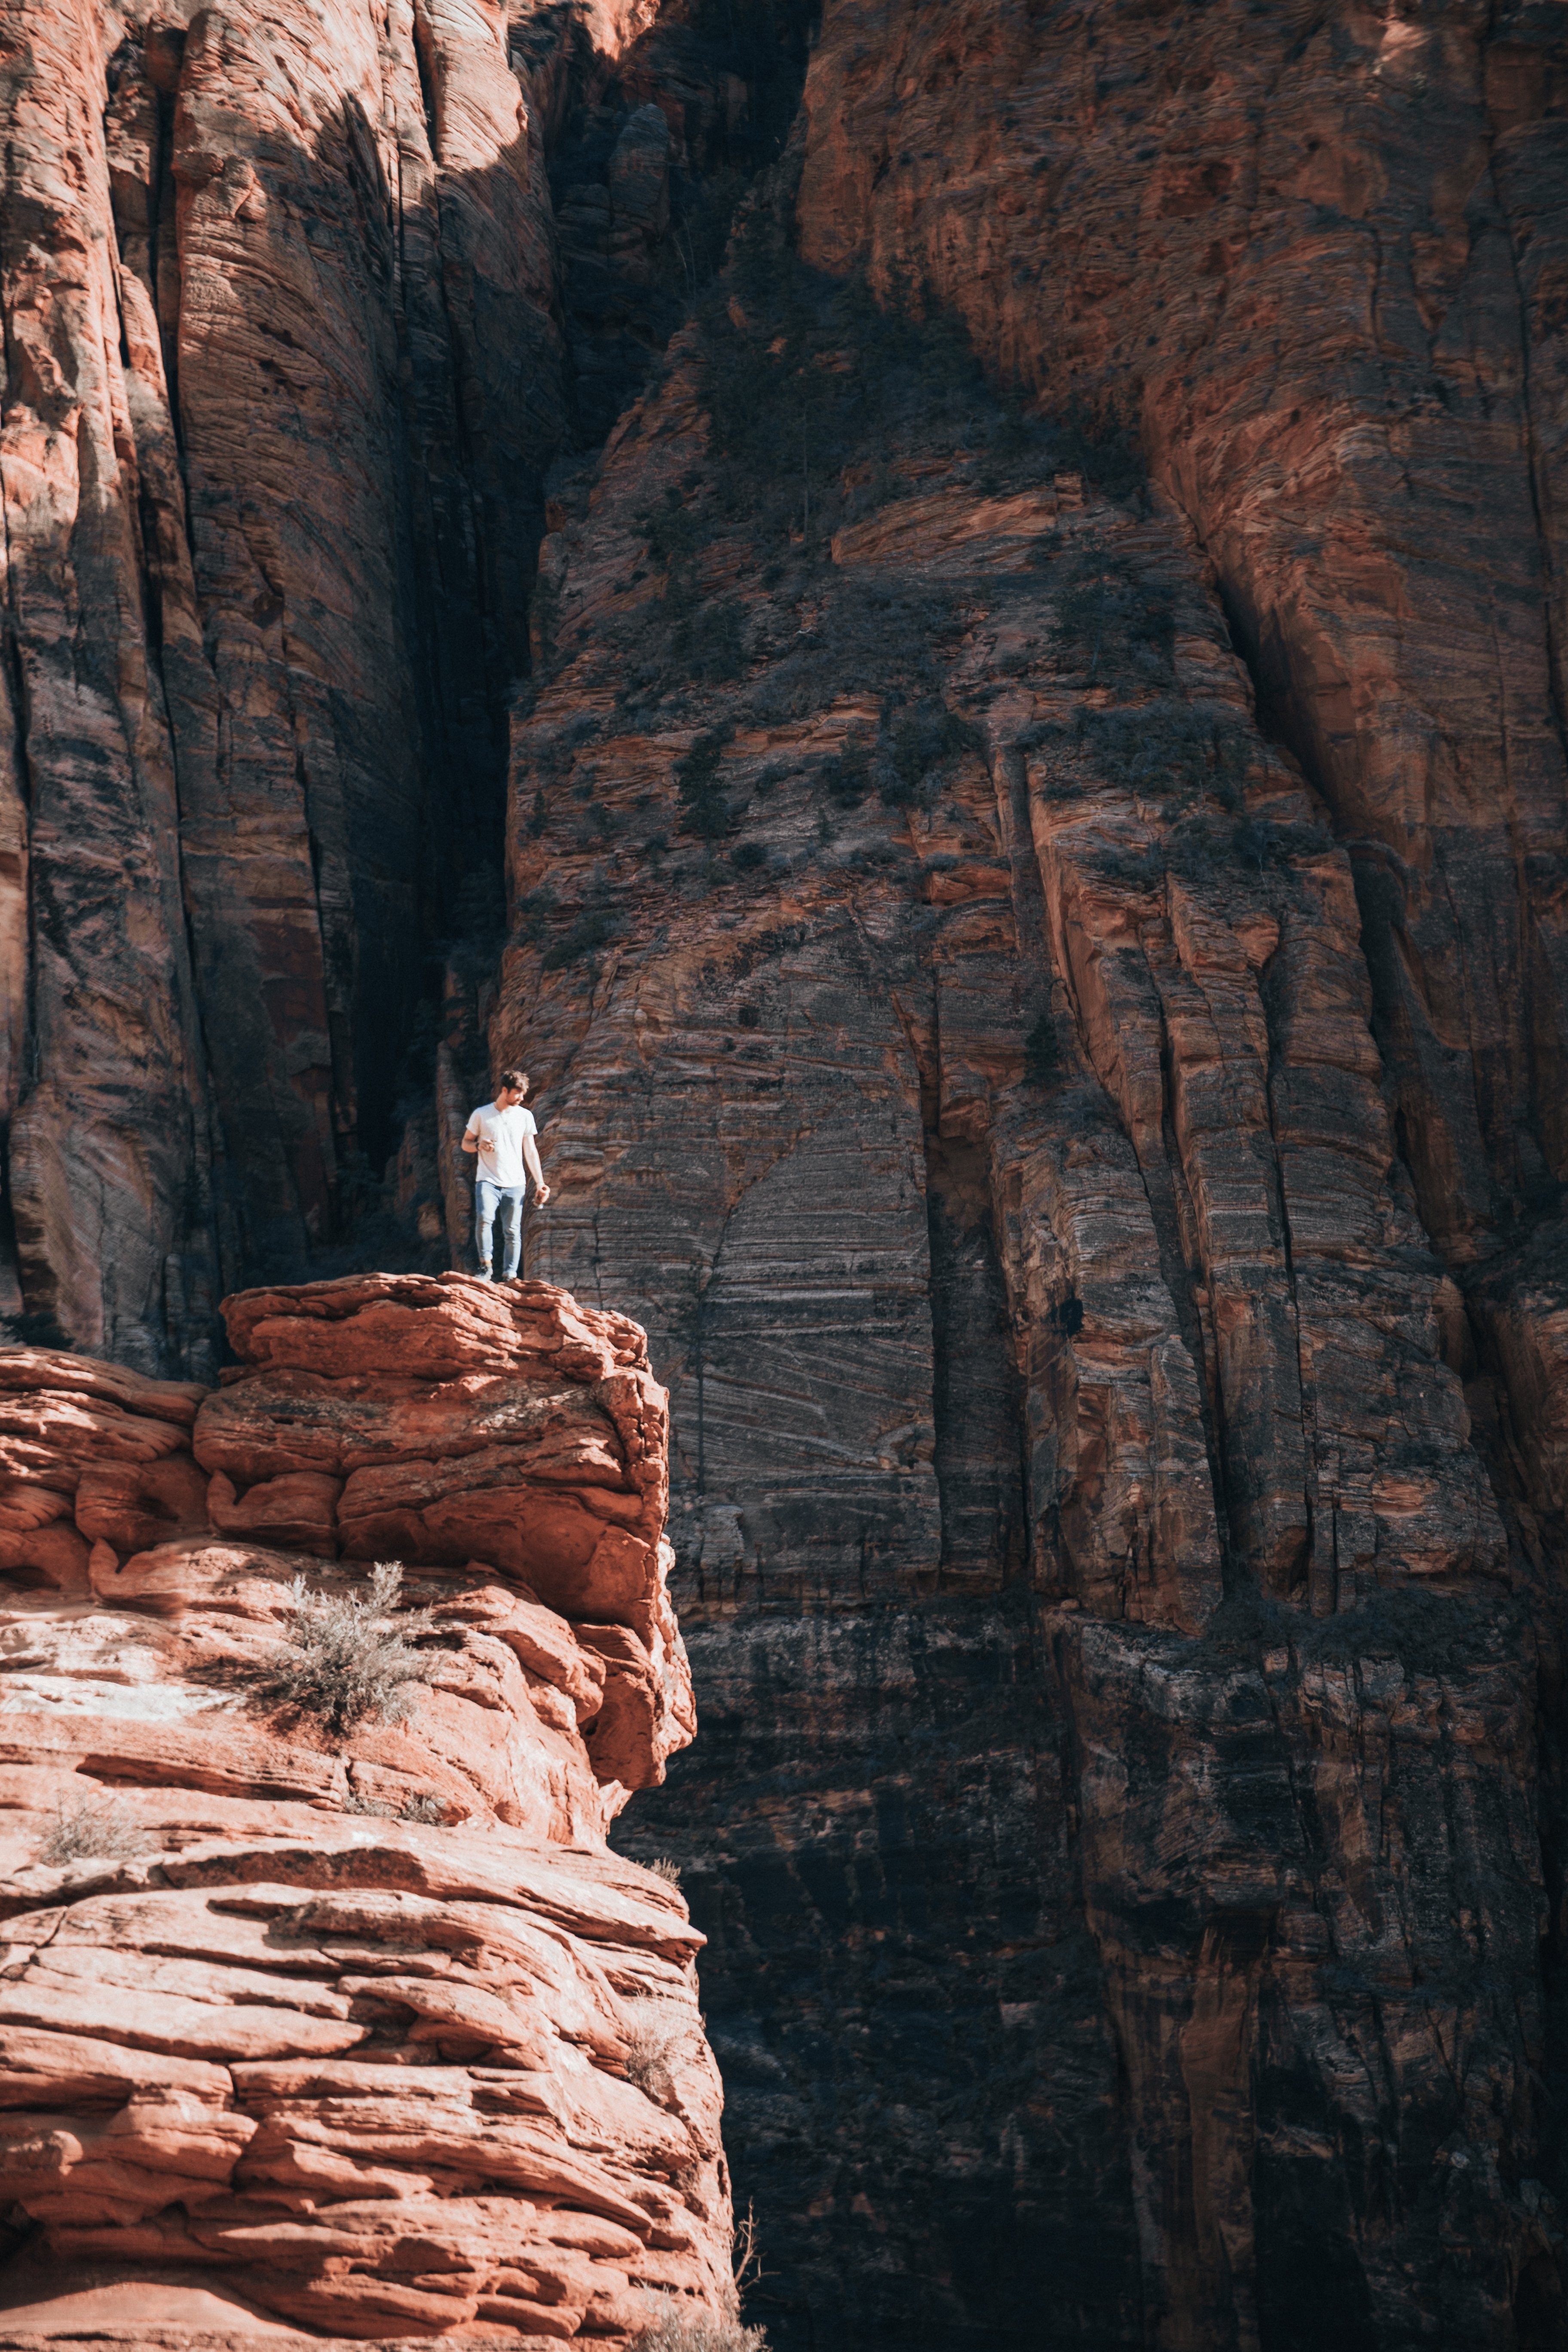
(486, 1195)
(511, 1233)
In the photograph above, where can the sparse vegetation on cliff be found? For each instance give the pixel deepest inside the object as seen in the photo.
(348, 1655)
(705, 811)
(1108, 612)
(650, 2035)
(680, 2328)
(591, 930)
(87, 1827)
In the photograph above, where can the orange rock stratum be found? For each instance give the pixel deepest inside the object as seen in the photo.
(346, 2029)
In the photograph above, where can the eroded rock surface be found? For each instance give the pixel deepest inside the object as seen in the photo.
(1187, 219)
(955, 1030)
(1035, 916)
(349, 2032)
(295, 329)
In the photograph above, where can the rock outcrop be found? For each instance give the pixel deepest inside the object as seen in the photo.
(346, 2026)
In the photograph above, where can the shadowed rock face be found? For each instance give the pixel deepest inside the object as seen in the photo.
(958, 1031)
(292, 341)
(1312, 256)
(1011, 1138)
(256, 270)
(346, 2024)
(1033, 915)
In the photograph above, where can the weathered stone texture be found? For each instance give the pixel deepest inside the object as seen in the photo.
(358, 2032)
(1044, 983)
(282, 383)
(1304, 252)
(738, 1085)
(1116, 992)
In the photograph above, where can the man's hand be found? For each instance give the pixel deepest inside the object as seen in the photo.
(542, 1194)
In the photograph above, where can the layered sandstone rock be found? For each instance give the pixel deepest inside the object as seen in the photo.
(297, 326)
(1309, 254)
(1045, 991)
(1202, 1237)
(953, 1033)
(354, 2030)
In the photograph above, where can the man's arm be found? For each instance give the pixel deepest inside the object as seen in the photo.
(530, 1161)
(471, 1139)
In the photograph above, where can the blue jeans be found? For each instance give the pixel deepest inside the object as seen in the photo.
(509, 1198)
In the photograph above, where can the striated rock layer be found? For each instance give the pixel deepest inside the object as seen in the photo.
(1114, 1518)
(347, 2033)
(1316, 257)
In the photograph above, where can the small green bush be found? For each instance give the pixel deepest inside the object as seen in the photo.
(1168, 746)
(544, 618)
(670, 530)
(1106, 612)
(1041, 1059)
(710, 640)
(1264, 846)
(848, 778)
(589, 931)
(707, 813)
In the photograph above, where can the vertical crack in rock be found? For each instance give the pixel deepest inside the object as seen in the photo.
(977, 1397)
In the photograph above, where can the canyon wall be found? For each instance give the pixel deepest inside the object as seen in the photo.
(334, 2022)
(1035, 935)
(1010, 616)
(292, 339)
(1318, 262)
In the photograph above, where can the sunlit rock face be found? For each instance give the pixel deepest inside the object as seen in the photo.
(346, 2027)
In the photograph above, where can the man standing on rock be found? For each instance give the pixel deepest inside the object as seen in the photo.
(500, 1135)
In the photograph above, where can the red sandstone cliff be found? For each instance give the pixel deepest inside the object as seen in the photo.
(1318, 264)
(357, 2032)
(1036, 918)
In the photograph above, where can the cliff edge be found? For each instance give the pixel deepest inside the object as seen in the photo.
(325, 2012)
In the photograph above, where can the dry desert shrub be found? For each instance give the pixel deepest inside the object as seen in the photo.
(662, 1867)
(89, 1827)
(425, 1805)
(685, 2327)
(348, 1655)
(651, 2034)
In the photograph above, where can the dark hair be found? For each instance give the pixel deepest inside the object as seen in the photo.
(513, 1082)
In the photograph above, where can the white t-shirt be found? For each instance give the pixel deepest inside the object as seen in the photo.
(501, 1134)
